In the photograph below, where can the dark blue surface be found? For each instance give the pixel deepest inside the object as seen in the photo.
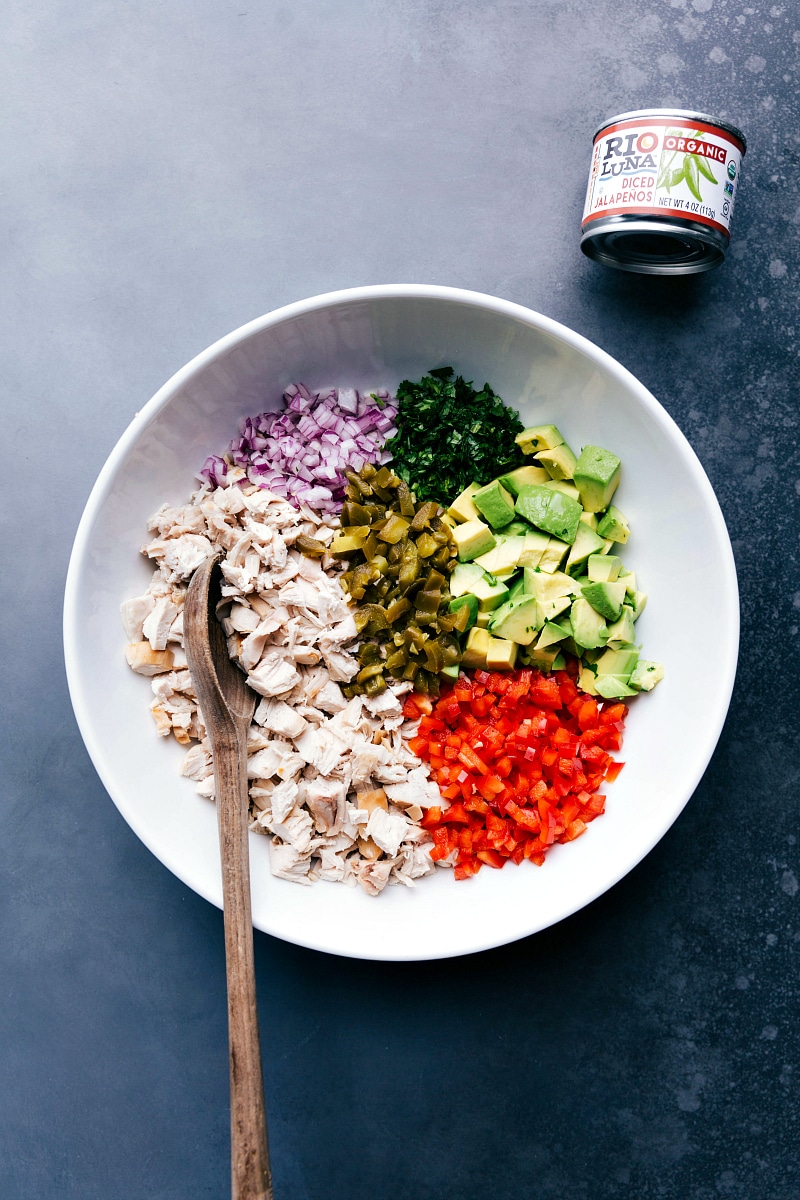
(171, 171)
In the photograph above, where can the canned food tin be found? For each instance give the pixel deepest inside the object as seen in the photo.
(661, 191)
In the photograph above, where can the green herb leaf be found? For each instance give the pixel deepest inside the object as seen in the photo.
(449, 434)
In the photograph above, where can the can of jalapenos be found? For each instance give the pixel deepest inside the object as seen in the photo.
(661, 190)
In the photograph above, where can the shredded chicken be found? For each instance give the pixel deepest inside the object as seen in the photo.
(312, 754)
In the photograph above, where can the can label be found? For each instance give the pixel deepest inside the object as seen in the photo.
(667, 167)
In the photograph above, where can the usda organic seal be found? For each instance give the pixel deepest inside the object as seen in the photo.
(661, 191)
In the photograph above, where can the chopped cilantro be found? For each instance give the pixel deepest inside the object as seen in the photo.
(448, 435)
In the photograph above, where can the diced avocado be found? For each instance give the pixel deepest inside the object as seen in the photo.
(588, 628)
(590, 519)
(516, 528)
(630, 580)
(566, 489)
(622, 629)
(518, 478)
(586, 681)
(558, 462)
(450, 522)
(517, 588)
(596, 477)
(469, 601)
(518, 620)
(613, 687)
(451, 672)
(504, 556)
(591, 654)
(638, 604)
(546, 586)
(476, 648)
(535, 546)
(538, 437)
(472, 538)
(551, 634)
(603, 568)
(617, 662)
(553, 555)
(463, 577)
(501, 655)
(495, 504)
(569, 645)
(548, 659)
(586, 542)
(646, 675)
(483, 620)
(490, 594)
(550, 510)
(462, 508)
(614, 525)
(504, 576)
(606, 598)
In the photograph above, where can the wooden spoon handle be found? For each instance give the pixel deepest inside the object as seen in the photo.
(251, 1178)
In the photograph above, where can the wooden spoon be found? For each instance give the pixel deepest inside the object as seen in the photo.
(227, 705)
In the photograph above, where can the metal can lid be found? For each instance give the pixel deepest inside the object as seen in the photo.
(648, 246)
(674, 112)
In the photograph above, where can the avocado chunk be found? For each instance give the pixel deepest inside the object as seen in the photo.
(612, 687)
(538, 437)
(517, 588)
(483, 619)
(552, 633)
(472, 538)
(553, 555)
(514, 480)
(491, 594)
(586, 543)
(603, 568)
(622, 629)
(463, 508)
(495, 504)
(516, 528)
(614, 525)
(550, 510)
(588, 628)
(523, 477)
(638, 602)
(645, 675)
(548, 659)
(596, 477)
(504, 556)
(468, 600)
(590, 519)
(518, 620)
(617, 662)
(559, 462)
(630, 580)
(476, 647)
(566, 489)
(547, 586)
(501, 655)
(606, 598)
(463, 577)
(452, 672)
(534, 548)
(586, 681)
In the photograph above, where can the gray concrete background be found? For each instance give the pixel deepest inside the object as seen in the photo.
(170, 171)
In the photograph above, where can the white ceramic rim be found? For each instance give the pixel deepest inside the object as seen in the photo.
(102, 487)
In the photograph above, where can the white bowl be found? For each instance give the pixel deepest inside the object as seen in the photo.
(370, 337)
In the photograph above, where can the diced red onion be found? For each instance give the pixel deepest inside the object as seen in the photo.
(302, 453)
